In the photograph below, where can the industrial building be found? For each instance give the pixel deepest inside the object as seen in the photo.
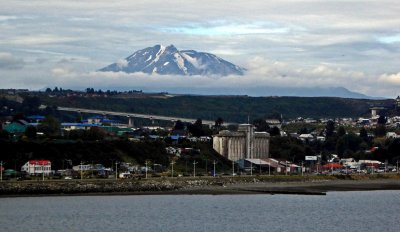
(244, 143)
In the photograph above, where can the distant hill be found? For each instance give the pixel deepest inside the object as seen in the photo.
(169, 60)
(276, 91)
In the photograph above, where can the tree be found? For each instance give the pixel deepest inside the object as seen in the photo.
(179, 125)
(30, 132)
(261, 124)
(382, 120)
(196, 129)
(95, 133)
(218, 123)
(30, 105)
(341, 131)
(330, 128)
(380, 130)
(348, 143)
(364, 135)
(50, 126)
(274, 131)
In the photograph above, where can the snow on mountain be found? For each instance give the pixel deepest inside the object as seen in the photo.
(169, 60)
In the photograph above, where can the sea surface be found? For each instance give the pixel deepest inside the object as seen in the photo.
(337, 211)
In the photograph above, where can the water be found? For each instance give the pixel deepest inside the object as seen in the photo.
(338, 211)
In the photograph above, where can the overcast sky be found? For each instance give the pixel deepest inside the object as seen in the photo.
(290, 43)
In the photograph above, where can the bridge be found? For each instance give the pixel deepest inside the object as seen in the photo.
(130, 116)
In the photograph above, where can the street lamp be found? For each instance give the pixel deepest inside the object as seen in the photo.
(214, 163)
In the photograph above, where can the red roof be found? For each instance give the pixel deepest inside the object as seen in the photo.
(40, 162)
(332, 165)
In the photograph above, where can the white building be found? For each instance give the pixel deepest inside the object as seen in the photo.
(243, 144)
(37, 167)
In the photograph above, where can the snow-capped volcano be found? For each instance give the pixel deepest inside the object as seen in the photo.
(168, 60)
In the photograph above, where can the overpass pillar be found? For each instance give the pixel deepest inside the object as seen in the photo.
(130, 121)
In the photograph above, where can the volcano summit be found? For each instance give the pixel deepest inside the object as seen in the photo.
(169, 61)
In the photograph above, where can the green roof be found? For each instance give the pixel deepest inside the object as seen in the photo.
(15, 128)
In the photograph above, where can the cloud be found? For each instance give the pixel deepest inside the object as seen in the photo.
(7, 17)
(9, 61)
(39, 39)
(391, 79)
(122, 63)
(262, 73)
(221, 28)
(60, 72)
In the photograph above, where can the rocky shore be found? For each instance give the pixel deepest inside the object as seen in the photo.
(226, 185)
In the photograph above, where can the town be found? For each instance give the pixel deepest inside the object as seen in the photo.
(36, 144)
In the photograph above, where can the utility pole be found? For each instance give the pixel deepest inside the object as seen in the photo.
(286, 168)
(81, 170)
(269, 167)
(233, 168)
(251, 168)
(194, 168)
(206, 168)
(172, 169)
(302, 168)
(146, 167)
(1, 171)
(116, 170)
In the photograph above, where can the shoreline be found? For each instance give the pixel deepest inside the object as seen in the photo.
(226, 186)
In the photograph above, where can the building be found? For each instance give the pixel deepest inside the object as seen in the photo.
(243, 144)
(37, 167)
(16, 127)
(376, 111)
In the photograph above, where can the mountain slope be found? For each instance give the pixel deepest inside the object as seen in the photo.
(169, 61)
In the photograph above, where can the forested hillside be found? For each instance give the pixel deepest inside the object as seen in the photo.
(230, 108)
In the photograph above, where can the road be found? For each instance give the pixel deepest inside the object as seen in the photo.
(134, 115)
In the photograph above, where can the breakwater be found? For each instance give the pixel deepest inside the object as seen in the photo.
(205, 185)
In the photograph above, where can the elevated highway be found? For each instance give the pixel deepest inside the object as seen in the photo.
(135, 115)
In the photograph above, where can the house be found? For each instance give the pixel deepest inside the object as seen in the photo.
(268, 164)
(16, 127)
(392, 135)
(37, 167)
(306, 137)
